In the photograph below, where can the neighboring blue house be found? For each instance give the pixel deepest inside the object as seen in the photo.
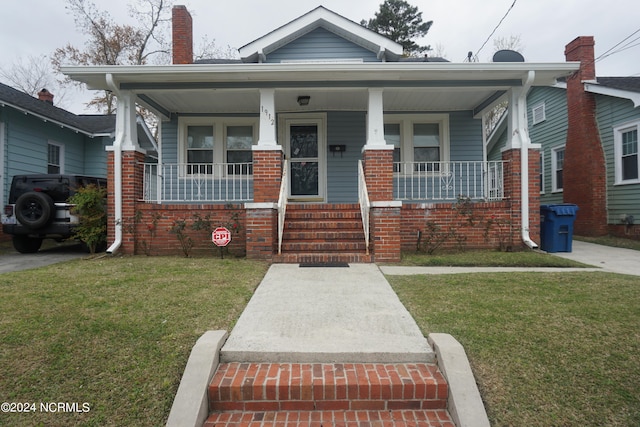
(321, 122)
(37, 137)
(589, 153)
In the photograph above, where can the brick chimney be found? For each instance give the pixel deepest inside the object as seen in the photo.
(584, 175)
(46, 96)
(182, 35)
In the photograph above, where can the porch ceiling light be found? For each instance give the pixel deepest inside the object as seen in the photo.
(303, 100)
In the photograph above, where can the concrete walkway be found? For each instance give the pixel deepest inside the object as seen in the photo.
(326, 314)
(607, 258)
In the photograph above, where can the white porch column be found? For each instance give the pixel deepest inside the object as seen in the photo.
(126, 124)
(267, 136)
(375, 120)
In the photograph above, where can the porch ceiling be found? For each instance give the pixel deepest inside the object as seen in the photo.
(234, 88)
(219, 101)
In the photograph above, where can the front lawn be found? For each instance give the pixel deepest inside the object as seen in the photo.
(113, 333)
(560, 349)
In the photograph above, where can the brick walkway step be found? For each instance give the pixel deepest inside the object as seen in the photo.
(400, 418)
(330, 387)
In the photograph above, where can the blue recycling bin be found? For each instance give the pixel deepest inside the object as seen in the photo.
(556, 227)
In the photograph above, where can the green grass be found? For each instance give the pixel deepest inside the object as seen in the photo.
(488, 259)
(114, 333)
(546, 349)
(558, 349)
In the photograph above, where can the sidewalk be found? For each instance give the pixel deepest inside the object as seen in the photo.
(326, 314)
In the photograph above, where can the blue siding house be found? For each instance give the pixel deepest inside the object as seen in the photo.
(37, 137)
(589, 152)
(323, 142)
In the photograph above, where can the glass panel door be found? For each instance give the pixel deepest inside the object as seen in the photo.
(304, 160)
(304, 152)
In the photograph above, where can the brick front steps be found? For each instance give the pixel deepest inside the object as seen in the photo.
(323, 233)
(314, 394)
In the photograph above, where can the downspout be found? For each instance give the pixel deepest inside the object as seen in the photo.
(525, 142)
(117, 171)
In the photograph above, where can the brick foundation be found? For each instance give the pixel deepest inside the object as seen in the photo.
(482, 226)
(385, 233)
(156, 228)
(262, 233)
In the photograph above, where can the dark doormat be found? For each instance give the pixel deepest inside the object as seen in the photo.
(324, 264)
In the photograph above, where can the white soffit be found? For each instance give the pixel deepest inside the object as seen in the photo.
(618, 93)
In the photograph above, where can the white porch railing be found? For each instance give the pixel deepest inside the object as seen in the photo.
(449, 180)
(365, 205)
(282, 203)
(212, 182)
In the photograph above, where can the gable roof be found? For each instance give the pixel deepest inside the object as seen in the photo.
(321, 17)
(92, 125)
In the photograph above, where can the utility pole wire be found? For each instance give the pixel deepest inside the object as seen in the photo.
(496, 28)
(604, 55)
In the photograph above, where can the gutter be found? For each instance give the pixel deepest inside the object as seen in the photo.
(525, 142)
(117, 171)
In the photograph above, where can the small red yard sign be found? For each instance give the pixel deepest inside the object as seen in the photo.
(221, 236)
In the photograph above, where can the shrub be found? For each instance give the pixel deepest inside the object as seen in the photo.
(91, 210)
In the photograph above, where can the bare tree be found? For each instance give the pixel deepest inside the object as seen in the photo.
(32, 74)
(510, 43)
(110, 43)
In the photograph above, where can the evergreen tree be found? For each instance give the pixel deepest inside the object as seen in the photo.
(402, 23)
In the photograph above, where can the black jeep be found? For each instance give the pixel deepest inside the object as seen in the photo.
(38, 208)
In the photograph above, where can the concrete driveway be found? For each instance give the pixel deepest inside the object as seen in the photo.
(14, 261)
(615, 260)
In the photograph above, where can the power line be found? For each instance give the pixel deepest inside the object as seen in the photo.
(496, 28)
(607, 53)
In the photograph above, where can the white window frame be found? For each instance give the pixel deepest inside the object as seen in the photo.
(60, 154)
(542, 182)
(554, 169)
(538, 113)
(406, 122)
(617, 140)
(219, 125)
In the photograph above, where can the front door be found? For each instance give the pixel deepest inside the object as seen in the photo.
(306, 154)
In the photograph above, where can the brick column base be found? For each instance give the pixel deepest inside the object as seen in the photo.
(132, 188)
(378, 172)
(386, 241)
(513, 191)
(267, 175)
(262, 231)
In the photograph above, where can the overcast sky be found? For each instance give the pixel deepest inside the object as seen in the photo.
(38, 27)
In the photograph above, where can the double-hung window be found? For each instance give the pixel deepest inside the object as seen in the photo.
(426, 146)
(55, 158)
(200, 144)
(216, 146)
(557, 167)
(392, 137)
(541, 173)
(421, 140)
(627, 160)
(238, 143)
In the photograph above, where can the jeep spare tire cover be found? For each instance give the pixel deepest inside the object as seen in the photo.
(34, 209)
